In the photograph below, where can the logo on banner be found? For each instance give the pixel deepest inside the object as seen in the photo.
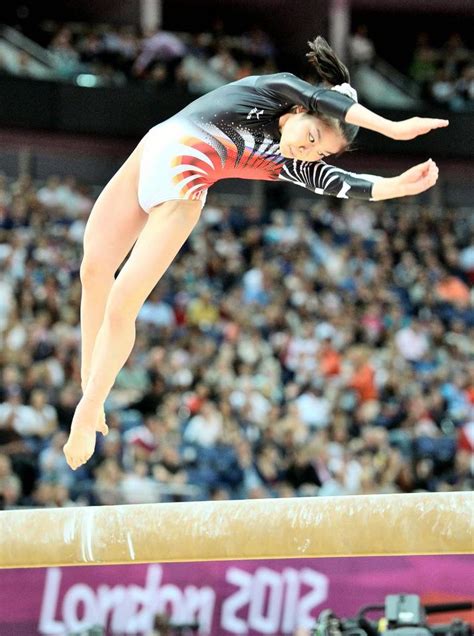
(272, 602)
(265, 601)
(127, 609)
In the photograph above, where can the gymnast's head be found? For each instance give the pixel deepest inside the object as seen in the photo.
(310, 136)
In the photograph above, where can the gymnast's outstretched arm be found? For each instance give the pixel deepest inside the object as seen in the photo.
(359, 115)
(323, 178)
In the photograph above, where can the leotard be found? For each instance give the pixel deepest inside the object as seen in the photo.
(233, 132)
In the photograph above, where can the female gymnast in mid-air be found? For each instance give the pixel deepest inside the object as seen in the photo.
(272, 127)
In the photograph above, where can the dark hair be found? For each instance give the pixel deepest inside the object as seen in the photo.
(330, 71)
(329, 68)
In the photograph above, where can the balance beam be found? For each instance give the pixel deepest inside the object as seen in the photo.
(373, 525)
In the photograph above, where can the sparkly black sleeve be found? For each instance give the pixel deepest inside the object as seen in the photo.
(289, 90)
(322, 178)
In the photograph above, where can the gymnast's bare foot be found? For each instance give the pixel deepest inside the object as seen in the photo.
(81, 442)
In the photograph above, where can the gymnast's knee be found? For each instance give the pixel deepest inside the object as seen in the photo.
(122, 307)
(95, 269)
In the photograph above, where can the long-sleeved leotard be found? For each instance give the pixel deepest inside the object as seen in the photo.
(233, 132)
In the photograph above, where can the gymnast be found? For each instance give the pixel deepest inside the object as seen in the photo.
(270, 127)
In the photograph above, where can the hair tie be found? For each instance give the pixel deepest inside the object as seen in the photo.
(346, 89)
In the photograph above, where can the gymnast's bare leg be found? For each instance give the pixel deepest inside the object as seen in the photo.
(113, 227)
(167, 228)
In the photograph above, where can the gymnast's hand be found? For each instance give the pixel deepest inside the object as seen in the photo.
(81, 442)
(412, 181)
(411, 128)
(418, 179)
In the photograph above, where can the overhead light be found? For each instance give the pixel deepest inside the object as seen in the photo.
(87, 79)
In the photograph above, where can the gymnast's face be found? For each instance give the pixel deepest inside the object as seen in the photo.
(309, 138)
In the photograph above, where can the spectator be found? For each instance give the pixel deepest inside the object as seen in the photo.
(412, 341)
(90, 48)
(202, 312)
(50, 195)
(52, 463)
(61, 496)
(16, 415)
(10, 484)
(138, 487)
(204, 429)
(160, 46)
(362, 379)
(313, 407)
(423, 65)
(43, 496)
(44, 415)
(157, 312)
(257, 43)
(224, 64)
(300, 471)
(151, 399)
(67, 57)
(131, 383)
(107, 485)
(455, 53)
(361, 48)
(465, 85)
(443, 89)
(451, 289)
(170, 468)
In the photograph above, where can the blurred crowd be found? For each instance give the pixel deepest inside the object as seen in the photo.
(313, 350)
(445, 73)
(204, 61)
(116, 55)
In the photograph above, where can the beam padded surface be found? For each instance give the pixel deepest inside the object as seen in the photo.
(426, 523)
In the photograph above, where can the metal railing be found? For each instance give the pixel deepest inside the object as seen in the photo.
(21, 42)
(401, 81)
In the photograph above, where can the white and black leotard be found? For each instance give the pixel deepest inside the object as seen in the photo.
(233, 132)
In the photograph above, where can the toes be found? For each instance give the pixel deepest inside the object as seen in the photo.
(102, 425)
(72, 463)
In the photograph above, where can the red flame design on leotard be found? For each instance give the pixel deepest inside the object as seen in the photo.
(203, 166)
